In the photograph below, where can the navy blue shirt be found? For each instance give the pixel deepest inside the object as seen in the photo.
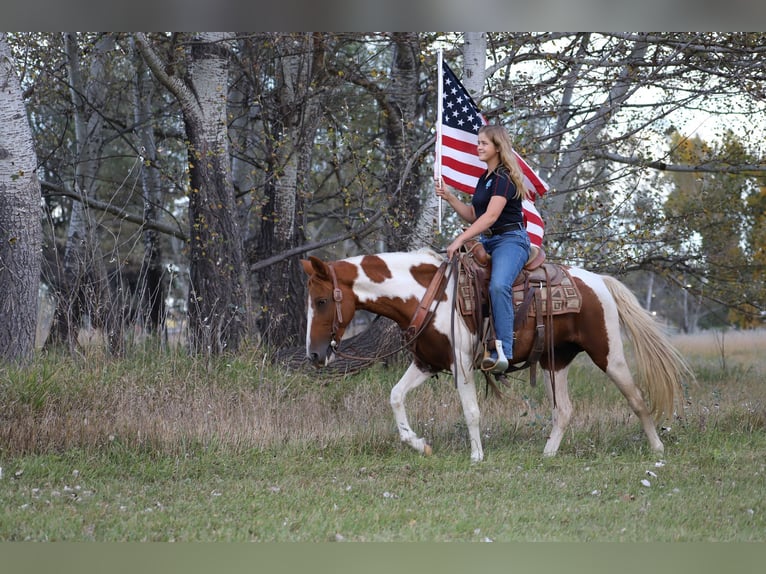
(498, 182)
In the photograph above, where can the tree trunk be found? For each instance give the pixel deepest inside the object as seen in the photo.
(216, 297)
(282, 285)
(216, 300)
(474, 63)
(571, 156)
(152, 283)
(649, 292)
(20, 227)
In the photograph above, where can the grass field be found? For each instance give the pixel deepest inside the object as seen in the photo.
(166, 448)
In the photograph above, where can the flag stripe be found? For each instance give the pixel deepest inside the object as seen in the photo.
(471, 169)
(459, 173)
(461, 184)
(458, 141)
(531, 180)
(533, 222)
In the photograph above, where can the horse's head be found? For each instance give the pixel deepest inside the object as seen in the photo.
(331, 306)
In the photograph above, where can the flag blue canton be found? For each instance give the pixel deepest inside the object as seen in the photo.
(460, 111)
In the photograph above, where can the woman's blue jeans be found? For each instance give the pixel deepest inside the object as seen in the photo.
(509, 251)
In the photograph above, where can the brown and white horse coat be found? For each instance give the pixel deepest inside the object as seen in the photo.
(393, 285)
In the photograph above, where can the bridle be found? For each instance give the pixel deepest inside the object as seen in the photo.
(337, 319)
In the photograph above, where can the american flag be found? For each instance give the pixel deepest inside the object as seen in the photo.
(456, 155)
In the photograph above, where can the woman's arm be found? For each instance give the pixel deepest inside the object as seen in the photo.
(480, 225)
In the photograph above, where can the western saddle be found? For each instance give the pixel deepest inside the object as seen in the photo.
(541, 290)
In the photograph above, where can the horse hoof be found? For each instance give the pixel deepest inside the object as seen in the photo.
(427, 451)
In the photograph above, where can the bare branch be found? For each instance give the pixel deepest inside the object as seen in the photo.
(663, 166)
(362, 231)
(50, 190)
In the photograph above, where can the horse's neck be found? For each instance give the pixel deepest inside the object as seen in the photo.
(398, 295)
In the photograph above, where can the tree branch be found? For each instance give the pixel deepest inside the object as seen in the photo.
(175, 86)
(50, 190)
(662, 166)
(363, 231)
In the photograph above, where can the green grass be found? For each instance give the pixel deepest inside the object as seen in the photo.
(389, 495)
(161, 448)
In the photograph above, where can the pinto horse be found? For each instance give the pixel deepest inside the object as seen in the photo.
(396, 285)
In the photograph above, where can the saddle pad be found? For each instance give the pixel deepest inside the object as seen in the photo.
(560, 292)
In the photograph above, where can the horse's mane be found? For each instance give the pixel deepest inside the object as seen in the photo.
(424, 253)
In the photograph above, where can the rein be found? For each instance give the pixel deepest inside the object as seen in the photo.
(420, 319)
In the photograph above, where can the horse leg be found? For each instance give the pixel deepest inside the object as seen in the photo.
(412, 378)
(466, 388)
(562, 413)
(619, 372)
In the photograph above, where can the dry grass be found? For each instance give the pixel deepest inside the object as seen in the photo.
(726, 349)
(736, 343)
(168, 402)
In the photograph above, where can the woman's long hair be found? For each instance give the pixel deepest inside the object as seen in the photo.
(498, 135)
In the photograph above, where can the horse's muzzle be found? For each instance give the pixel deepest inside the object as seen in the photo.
(321, 359)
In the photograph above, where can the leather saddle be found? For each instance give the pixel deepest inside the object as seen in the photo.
(541, 290)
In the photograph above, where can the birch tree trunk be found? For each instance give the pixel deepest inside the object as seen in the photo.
(474, 63)
(20, 227)
(216, 300)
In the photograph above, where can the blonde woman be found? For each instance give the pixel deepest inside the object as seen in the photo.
(495, 214)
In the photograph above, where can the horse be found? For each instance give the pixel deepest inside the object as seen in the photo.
(400, 286)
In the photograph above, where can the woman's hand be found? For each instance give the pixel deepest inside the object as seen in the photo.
(454, 247)
(441, 190)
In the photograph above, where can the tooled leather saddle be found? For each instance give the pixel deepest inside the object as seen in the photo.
(540, 291)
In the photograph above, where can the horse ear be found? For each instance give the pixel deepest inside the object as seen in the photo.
(307, 268)
(314, 265)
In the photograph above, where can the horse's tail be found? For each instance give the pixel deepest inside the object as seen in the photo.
(661, 367)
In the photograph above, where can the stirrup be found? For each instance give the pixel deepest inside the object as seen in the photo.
(496, 365)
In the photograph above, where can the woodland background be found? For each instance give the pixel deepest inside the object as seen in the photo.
(168, 184)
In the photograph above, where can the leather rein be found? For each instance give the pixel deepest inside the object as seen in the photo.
(418, 323)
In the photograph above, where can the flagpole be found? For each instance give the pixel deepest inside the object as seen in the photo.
(439, 113)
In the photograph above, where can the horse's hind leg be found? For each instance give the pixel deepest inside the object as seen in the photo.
(412, 378)
(619, 372)
(562, 413)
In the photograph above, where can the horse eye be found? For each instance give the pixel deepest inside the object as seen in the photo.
(321, 303)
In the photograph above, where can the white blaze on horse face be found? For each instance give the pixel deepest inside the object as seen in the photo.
(309, 321)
